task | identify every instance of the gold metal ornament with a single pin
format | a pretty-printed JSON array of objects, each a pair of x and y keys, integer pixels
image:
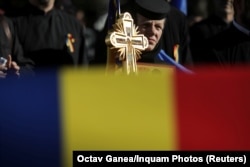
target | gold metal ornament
[
  {"x": 127, "y": 43},
  {"x": 70, "y": 42}
]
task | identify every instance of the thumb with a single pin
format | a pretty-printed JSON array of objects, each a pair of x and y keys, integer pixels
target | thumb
[{"x": 9, "y": 60}]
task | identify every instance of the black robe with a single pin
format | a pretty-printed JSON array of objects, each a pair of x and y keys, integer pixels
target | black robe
[
  {"x": 201, "y": 32},
  {"x": 231, "y": 47},
  {"x": 43, "y": 37}
]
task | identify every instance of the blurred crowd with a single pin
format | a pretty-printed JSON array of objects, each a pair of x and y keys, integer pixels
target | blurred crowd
[
  {"x": 95, "y": 11},
  {"x": 205, "y": 19}
]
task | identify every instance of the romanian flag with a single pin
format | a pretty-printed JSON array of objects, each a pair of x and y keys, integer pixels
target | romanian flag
[
  {"x": 44, "y": 119},
  {"x": 180, "y": 4}
]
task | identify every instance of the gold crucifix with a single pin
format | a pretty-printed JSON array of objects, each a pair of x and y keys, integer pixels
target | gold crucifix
[{"x": 127, "y": 42}]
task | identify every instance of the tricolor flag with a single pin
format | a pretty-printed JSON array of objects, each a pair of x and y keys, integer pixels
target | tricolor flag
[
  {"x": 44, "y": 119},
  {"x": 180, "y": 4}
]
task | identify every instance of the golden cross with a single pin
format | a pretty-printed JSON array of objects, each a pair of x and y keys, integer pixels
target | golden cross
[{"x": 126, "y": 40}]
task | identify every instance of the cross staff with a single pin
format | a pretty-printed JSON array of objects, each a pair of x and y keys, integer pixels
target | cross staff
[{"x": 126, "y": 40}]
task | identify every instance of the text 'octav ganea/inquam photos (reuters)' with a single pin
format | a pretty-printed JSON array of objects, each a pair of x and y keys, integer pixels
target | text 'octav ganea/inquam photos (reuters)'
[{"x": 208, "y": 159}]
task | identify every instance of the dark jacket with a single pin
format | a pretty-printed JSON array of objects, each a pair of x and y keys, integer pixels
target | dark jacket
[
  {"x": 201, "y": 32},
  {"x": 52, "y": 39},
  {"x": 230, "y": 47}
]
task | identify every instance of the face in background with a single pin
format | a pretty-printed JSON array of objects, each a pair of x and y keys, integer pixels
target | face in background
[
  {"x": 152, "y": 29},
  {"x": 224, "y": 7}
]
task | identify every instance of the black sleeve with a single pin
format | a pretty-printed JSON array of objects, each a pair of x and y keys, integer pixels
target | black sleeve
[
  {"x": 100, "y": 48},
  {"x": 83, "y": 53}
]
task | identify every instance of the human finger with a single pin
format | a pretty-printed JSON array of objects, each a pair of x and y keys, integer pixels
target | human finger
[
  {"x": 15, "y": 66},
  {"x": 2, "y": 75},
  {"x": 2, "y": 68},
  {"x": 9, "y": 60}
]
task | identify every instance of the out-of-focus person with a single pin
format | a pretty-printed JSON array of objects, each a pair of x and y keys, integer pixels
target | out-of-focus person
[
  {"x": 9, "y": 46},
  {"x": 173, "y": 35},
  {"x": 49, "y": 36},
  {"x": 219, "y": 20},
  {"x": 232, "y": 46}
]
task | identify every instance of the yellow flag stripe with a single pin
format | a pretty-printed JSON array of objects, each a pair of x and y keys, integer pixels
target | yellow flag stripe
[{"x": 110, "y": 112}]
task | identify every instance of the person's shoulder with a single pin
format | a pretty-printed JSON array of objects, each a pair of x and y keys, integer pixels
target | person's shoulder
[
  {"x": 7, "y": 20},
  {"x": 231, "y": 33},
  {"x": 68, "y": 19},
  {"x": 176, "y": 13},
  {"x": 66, "y": 16},
  {"x": 227, "y": 38},
  {"x": 202, "y": 23},
  {"x": 212, "y": 20},
  {"x": 201, "y": 26}
]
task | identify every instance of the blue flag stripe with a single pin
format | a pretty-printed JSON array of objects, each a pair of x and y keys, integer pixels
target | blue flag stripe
[
  {"x": 180, "y": 4},
  {"x": 164, "y": 57},
  {"x": 29, "y": 122}
]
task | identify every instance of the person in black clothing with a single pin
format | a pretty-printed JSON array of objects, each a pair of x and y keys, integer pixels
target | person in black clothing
[
  {"x": 219, "y": 20},
  {"x": 9, "y": 47},
  {"x": 232, "y": 46},
  {"x": 174, "y": 33},
  {"x": 49, "y": 37}
]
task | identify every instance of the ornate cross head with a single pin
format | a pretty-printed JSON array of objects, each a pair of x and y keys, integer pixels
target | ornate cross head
[{"x": 127, "y": 42}]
